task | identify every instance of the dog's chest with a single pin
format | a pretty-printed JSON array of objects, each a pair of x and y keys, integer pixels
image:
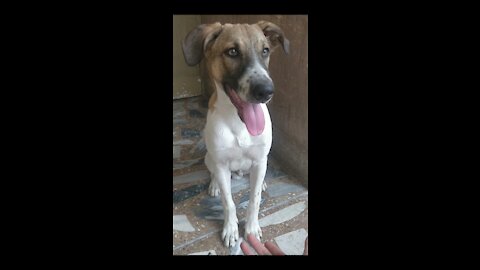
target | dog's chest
[
  {"x": 238, "y": 144},
  {"x": 228, "y": 139},
  {"x": 240, "y": 158}
]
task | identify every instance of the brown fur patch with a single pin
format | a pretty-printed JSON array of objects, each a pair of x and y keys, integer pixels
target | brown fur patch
[{"x": 211, "y": 102}]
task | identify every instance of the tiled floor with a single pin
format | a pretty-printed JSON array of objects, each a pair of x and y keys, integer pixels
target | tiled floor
[{"x": 198, "y": 218}]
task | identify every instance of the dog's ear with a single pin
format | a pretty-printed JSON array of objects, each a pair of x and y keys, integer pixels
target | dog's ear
[
  {"x": 275, "y": 35},
  {"x": 197, "y": 40}
]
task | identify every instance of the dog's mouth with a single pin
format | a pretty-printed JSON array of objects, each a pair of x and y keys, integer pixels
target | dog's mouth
[{"x": 250, "y": 113}]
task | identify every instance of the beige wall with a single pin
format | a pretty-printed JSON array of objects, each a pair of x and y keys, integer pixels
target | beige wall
[
  {"x": 186, "y": 79},
  {"x": 289, "y": 106}
]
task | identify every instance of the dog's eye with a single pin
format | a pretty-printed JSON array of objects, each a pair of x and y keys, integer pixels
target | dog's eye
[
  {"x": 233, "y": 52},
  {"x": 265, "y": 51}
]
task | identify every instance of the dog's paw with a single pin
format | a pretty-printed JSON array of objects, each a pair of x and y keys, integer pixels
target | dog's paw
[
  {"x": 230, "y": 234},
  {"x": 264, "y": 186},
  {"x": 253, "y": 228},
  {"x": 213, "y": 189}
]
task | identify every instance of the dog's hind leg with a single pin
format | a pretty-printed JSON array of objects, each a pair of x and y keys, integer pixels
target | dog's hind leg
[{"x": 213, "y": 189}]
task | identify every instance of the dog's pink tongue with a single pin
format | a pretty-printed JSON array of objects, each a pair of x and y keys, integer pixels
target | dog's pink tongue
[
  {"x": 250, "y": 113},
  {"x": 253, "y": 118}
]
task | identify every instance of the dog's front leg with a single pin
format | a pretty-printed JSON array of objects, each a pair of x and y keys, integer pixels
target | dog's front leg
[
  {"x": 257, "y": 176},
  {"x": 230, "y": 226}
]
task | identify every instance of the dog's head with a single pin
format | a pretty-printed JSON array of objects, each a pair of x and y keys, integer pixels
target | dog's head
[{"x": 237, "y": 57}]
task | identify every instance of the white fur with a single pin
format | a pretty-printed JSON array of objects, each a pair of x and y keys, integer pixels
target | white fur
[{"x": 231, "y": 148}]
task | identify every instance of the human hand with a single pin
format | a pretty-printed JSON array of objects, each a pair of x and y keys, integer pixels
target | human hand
[{"x": 268, "y": 249}]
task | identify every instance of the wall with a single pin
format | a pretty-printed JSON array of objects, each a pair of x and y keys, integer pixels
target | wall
[
  {"x": 186, "y": 79},
  {"x": 289, "y": 106}
]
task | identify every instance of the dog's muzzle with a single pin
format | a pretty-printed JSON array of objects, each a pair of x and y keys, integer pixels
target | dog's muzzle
[{"x": 251, "y": 113}]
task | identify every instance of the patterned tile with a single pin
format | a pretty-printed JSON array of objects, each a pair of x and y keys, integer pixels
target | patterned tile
[
  {"x": 186, "y": 193},
  {"x": 190, "y": 133},
  {"x": 182, "y": 142},
  {"x": 196, "y": 114},
  {"x": 181, "y": 223},
  {"x": 283, "y": 215},
  {"x": 208, "y": 252},
  {"x": 240, "y": 184},
  {"x": 186, "y": 163},
  {"x": 292, "y": 243},
  {"x": 191, "y": 177},
  {"x": 283, "y": 186}
]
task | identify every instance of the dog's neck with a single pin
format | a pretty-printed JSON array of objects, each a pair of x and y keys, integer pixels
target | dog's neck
[{"x": 223, "y": 102}]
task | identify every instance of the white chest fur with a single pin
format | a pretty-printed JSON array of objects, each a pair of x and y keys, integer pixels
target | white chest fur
[{"x": 228, "y": 140}]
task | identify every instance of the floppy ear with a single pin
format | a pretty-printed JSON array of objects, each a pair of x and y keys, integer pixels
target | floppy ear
[
  {"x": 275, "y": 35},
  {"x": 197, "y": 40}
]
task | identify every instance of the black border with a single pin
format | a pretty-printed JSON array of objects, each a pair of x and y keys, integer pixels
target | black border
[{"x": 100, "y": 144}]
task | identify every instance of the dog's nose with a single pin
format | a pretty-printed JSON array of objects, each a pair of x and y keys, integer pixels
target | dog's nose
[{"x": 262, "y": 92}]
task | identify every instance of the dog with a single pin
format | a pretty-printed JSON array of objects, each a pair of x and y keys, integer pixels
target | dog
[{"x": 238, "y": 131}]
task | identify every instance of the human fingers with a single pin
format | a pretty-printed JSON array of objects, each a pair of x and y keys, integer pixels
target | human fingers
[
  {"x": 274, "y": 249},
  {"x": 259, "y": 248},
  {"x": 246, "y": 250}
]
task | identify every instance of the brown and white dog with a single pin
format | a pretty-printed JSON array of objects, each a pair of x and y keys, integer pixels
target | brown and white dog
[{"x": 238, "y": 132}]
